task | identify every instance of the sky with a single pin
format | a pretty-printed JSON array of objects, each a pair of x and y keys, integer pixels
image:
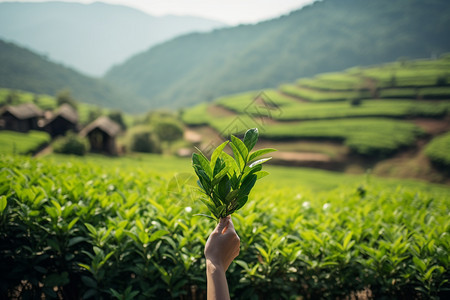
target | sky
[{"x": 232, "y": 12}]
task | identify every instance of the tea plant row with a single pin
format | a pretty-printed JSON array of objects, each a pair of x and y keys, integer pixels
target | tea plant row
[{"x": 92, "y": 231}]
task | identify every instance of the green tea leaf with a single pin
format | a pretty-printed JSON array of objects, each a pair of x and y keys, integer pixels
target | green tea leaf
[
  {"x": 247, "y": 185},
  {"x": 259, "y": 153},
  {"x": 240, "y": 162},
  {"x": 157, "y": 235},
  {"x": 240, "y": 147},
  {"x": 201, "y": 160},
  {"x": 224, "y": 188},
  {"x": 226, "y": 182},
  {"x": 230, "y": 163},
  {"x": 2, "y": 203},
  {"x": 261, "y": 174},
  {"x": 250, "y": 138},
  {"x": 260, "y": 161},
  {"x": 217, "y": 152}
]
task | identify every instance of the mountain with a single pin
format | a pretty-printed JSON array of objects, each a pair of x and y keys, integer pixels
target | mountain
[
  {"x": 90, "y": 37},
  {"x": 325, "y": 36},
  {"x": 22, "y": 69}
]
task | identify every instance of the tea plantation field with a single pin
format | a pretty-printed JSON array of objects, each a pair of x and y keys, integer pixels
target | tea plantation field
[
  {"x": 384, "y": 102},
  {"x": 12, "y": 142},
  {"x": 124, "y": 228}
]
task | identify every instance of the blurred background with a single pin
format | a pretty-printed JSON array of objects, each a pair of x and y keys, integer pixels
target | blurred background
[{"x": 340, "y": 85}]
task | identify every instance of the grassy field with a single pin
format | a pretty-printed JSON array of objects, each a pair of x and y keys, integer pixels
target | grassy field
[
  {"x": 22, "y": 143},
  {"x": 303, "y": 232}
]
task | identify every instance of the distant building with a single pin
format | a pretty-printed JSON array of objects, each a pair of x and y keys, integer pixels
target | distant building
[
  {"x": 102, "y": 135},
  {"x": 65, "y": 119},
  {"x": 21, "y": 118}
]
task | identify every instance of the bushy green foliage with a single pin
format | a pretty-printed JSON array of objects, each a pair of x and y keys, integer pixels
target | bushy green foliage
[
  {"x": 438, "y": 150},
  {"x": 168, "y": 130},
  {"x": 71, "y": 144},
  {"x": 104, "y": 232},
  {"x": 143, "y": 139},
  {"x": 65, "y": 97},
  {"x": 224, "y": 182},
  {"x": 12, "y": 142}
]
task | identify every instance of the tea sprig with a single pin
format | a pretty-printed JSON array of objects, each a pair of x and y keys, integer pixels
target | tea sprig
[{"x": 226, "y": 181}]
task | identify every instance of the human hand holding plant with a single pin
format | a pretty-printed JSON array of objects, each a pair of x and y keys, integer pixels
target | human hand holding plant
[
  {"x": 222, "y": 245},
  {"x": 226, "y": 181}
]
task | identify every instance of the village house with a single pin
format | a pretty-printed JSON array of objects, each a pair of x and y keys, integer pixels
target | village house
[
  {"x": 102, "y": 135},
  {"x": 20, "y": 118},
  {"x": 65, "y": 119}
]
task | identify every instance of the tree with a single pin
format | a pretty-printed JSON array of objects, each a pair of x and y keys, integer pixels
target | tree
[
  {"x": 64, "y": 96},
  {"x": 94, "y": 114},
  {"x": 142, "y": 139},
  {"x": 168, "y": 130},
  {"x": 12, "y": 98},
  {"x": 117, "y": 117}
]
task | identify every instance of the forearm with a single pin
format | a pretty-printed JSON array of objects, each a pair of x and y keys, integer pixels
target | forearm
[{"x": 217, "y": 282}]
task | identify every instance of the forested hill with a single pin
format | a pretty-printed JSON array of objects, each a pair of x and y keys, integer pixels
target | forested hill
[
  {"x": 24, "y": 70},
  {"x": 326, "y": 36},
  {"x": 90, "y": 37}
]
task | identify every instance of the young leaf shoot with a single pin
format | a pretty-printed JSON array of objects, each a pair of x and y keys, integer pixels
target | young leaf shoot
[{"x": 226, "y": 181}]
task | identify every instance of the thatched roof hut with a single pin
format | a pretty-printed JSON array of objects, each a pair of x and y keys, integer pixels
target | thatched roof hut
[
  {"x": 65, "y": 119},
  {"x": 22, "y": 118},
  {"x": 102, "y": 135}
]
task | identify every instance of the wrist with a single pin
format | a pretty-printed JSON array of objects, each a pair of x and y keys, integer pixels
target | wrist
[{"x": 214, "y": 267}]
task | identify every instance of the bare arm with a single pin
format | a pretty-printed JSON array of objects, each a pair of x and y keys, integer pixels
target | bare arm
[{"x": 220, "y": 250}]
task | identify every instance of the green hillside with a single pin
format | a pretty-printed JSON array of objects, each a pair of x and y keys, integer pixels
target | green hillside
[
  {"x": 70, "y": 32},
  {"x": 326, "y": 36},
  {"x": 375, "y": 112},
  {"x": 24, "y": 70}
]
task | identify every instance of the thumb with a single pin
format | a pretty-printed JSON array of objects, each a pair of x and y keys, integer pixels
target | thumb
[{"x": 223, "y": 224}]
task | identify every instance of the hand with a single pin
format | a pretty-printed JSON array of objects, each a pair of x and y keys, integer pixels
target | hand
[{"x": 223, "y": 244}]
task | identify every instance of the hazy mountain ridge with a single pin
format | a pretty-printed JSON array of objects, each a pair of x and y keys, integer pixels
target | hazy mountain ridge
[
  {"x": 326, "y": 36},
  {"x": 25, "y": 70},
  {"x": 90, "y": 37}
]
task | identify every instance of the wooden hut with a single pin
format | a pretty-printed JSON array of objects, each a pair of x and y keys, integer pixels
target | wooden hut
[
  {"x": 21, "y": 118},
  {"x": 65, "y": 119},
  {"x": 102, "y": 135}
]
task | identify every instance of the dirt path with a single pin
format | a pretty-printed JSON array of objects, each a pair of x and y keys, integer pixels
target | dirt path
[
  {"x": 294, "y": 98},
  {"x": 432, "y": 126},
  {"x": 220, "y": 111},
  {"x": 46, "y": 151}
]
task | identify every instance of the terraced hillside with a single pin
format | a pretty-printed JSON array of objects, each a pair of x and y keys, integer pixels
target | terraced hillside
[{"x": 377, "y": 117}]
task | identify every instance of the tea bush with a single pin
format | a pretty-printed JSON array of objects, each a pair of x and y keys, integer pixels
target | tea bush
[
  {"x": 82, "y": 230},
  {"x": 71, "y": 144},
  {"x": 143, "y": 139},
  {"x": 438, "y": 150}
]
